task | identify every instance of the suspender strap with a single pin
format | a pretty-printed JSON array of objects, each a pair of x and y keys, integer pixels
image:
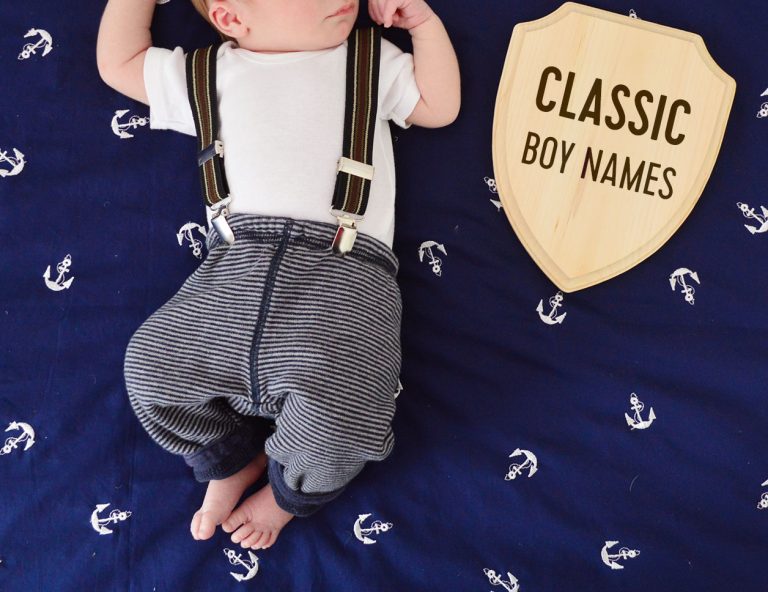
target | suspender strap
[
  {"x": 355, "y": 170},
  {"x": 201, "y": 88}
]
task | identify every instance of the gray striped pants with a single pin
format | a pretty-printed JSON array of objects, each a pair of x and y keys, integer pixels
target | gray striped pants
[{"x": 275, "y": 327}]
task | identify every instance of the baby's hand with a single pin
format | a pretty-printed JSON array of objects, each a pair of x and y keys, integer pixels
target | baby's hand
[{"x": 405, "y": 14}]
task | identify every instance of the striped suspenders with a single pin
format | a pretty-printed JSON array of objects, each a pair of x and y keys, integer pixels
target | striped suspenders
[{"x": 354, "y": 171}]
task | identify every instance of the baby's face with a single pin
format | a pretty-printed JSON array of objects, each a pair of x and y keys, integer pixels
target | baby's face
[{"x": 294, "y": 25}]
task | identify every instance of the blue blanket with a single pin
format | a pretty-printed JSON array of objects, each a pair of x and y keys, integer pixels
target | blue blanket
[{"x": 488, "y": 389}]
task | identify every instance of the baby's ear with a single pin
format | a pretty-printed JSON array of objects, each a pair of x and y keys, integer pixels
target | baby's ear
[{"x": 225, "y": 19}]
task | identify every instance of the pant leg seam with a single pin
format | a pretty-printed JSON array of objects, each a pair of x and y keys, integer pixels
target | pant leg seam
[{"x": 263, "y": 311}]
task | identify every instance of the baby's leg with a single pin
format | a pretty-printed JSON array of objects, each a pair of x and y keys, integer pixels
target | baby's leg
[
  {"x": 222, "y": 495},
  {"x": 187, "y": 373},
  {"x": 166, "y": 389},
  {"x": 317, "y": 449},
  {"x": 231, "y": 463}
]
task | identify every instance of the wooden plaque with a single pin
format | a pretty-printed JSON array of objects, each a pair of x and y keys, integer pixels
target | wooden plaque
[{"x": 605, "y": 131}]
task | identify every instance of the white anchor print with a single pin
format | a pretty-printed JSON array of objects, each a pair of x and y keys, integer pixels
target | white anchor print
[
  {"x": 495, "y": 580},
  {"x": 637, "y": 406},
  {"x": 114, "y": 517},
  {"x": 530, "y": 463},
  {"x": 632, "y": 13},
  {"x": 555, "y": 303},
  {"x": 763, "y": 112},
  {"x": 236, "y": 559},
  {"x": 62, "y": 268},
  {"x": 17, "y": 162},
  {"x": 750, "y": 213},
  {"x": 427, "y": 245},
  {"x": 377, "y": 526},
  {"x": 186, "y": 232},
  {"x": 399, "y": 388},
  {"x": 493, "y": 189},
  {"x": 678, "y": 276},
  {"x": 46, "y": 42},
  {"x": 624, "y": 553},
  {"x": 763, "y": 503},
  {"x": 27, "y": 436},
  {"x": 134, "y": 122}
]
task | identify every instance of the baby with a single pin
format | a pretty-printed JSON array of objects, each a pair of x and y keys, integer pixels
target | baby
[{"x": 275, "y": 325}]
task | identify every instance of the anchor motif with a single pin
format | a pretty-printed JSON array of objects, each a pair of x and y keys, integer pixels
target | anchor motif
[
  {"x": 17, "y": 162},
  {"x": 763, "y": 111},
  {"x": 750, "y": 213},
  {"x": 623, "y": 553},
  {"x": 530, "y": 463},
  {"x": 196, "y": 245},
  {"x": 555, "y": 303},
  {"x": 495, "y": 580},
  {"x": 637, "y": 407},
  {"x": 377, "y": 526},
  {"x": 493, "y": 189},
  {"x": 632, "y": 13},
  {"x": 763, "y": 503},
  {"x": 46, "y": 41},
  {"x": 134, "y": 122},
  {"x": 399, "y": 388},
  {"x": 434, "y": 260},
  {"x": 114, "y": 516},
  {"x": 678, "y": 276},
  {"x": 62, "y": 268},
  {"x": 236, "y": 559},
  {"x": 27, "y": 436}
]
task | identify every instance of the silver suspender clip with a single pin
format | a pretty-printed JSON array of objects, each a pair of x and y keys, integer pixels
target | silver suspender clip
[
  {"x": 219, "y": 220},
  {"x": 347, "y": 231}
]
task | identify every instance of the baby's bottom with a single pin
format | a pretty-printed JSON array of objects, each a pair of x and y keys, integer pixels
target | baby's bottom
[{"x": 275, "y": 327}]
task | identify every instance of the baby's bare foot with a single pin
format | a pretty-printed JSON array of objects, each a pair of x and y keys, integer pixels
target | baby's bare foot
[
  {"x": 261, "y": 519},
  {"x": 222, "y": 495}
]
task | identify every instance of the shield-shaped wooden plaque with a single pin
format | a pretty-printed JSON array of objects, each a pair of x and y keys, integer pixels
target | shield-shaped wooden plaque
[{"x": 605, "y": 132}]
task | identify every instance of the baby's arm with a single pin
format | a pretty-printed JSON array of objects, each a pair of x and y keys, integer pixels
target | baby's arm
[
  {"x": 124, "y": 38},
  {"x": 435, "y": 65}
]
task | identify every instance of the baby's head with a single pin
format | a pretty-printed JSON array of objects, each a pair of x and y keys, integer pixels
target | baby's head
[{"x": 272, "y": 26}]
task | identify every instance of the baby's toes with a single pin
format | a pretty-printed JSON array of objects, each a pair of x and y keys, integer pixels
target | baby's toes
[
  {"x": 194, "y": 527},
  {"x": 252, "y": 540},
  {"x": 267, "y": 542},
  {"x": 235, "y": 519},
  {"x": 203, "y": 525},
  {"x": 241, "y": 533}
]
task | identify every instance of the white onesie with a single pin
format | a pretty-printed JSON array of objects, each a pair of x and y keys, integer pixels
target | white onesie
[{"x": 281, "y": 119}]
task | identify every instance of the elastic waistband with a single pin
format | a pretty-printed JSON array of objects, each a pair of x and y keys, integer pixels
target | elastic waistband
[{"x": 310, "y": 233}]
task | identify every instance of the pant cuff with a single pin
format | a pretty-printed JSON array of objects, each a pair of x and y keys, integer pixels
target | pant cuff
[
  {"x": 226, "y": 456},
  {"x": 296, "y": 502}
]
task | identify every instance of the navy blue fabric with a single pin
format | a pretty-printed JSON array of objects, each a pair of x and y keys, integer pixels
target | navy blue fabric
[{"x": 482, "y": 375}]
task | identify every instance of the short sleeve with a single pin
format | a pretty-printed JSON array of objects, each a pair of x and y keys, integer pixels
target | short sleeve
[
  {"x": 398, "y": 91},
  {"x": 165, "y": 80}
]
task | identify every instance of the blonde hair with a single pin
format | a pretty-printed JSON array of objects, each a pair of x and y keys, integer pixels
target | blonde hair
[{"x": 202, "y": 7}]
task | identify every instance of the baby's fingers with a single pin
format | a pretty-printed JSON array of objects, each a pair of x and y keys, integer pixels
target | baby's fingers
[
  {"x": 388, "y": 8},
  {"x": 374, "y": 11}
]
